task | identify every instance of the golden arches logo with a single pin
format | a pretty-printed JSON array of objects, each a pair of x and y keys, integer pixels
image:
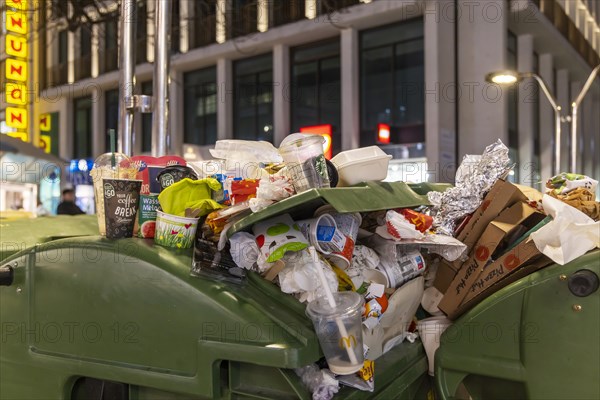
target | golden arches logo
[{"x": 348, "y": 342}]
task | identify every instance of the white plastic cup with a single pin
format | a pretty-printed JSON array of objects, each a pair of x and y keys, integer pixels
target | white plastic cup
[
  {"x": 322, "y": 233},
  {"x": 430, "y": 330},
  {"x": 305, "y": 163},
  {"x": 327, "y": 321}
]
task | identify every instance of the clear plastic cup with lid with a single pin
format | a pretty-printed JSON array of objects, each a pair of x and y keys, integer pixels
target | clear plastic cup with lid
[
  {"x": 305, "y": 162},
  {"x": 339, "y": 331}
]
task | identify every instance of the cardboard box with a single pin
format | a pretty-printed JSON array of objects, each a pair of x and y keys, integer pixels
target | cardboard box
[
  {"x": 497, "y": 276},
  {"x": 508, "y": 222},
  {"x": 502, "y": 195},
  {"x": 444, "y": 276}
]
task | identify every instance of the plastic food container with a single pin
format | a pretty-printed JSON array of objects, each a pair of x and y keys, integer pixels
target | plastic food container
[{"x": 361, "y": 165}]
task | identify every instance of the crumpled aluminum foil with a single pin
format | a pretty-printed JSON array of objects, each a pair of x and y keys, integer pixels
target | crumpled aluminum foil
[{"x": 475, "y": 177}]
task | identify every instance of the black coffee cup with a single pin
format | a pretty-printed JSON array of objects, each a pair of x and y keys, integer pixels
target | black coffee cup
[{"x": 121, "y": 202}]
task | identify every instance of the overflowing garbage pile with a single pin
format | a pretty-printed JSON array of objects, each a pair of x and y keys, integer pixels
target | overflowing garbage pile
[{"x": 363, "y": 274}]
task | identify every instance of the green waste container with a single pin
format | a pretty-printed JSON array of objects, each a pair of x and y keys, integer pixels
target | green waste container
[
  {"x": 537, "y": 338},
  {"x": 85, "y": 315}
]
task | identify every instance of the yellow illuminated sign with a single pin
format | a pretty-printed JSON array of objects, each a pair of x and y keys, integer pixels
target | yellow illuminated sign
[
  {"x": 16, "y": 21},
  {"x": 16, "y": 4},
  {"x": 16, "y": 94},
  {"x": 16, "y": 46},
  {"x": 16, "y": 117},
  {"x": 45, "y": 143},
  {"x": 45, "y": 123},
  {"x": 19, "y": 135},
  {"x": 16, "y": 70}
]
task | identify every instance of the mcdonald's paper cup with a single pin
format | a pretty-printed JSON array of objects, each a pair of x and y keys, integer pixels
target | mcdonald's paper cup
[
  {"x": 175, "y": 231},
  {"x": 347, "y": 224},
  {"x": 328, "y": 321},
  {"x": 323, "y": 233}
]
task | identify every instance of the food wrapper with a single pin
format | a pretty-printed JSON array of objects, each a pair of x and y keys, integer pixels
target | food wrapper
[
  {"x": 474, "y": 179},
  {"x": 270, "y": 190},
  {"x": 570, "y": 235},
  {"x": 243, "y": 190},
  {"x": 397, "y": 227},
  {"x": 421, "y": 221},
  {"x": 320, "y": 382},
  {"x": 566, "y": 182},
  {"x": 363, "y": 380}
]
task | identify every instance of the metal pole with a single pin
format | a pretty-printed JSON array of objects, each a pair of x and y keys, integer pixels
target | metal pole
[
  {"x": 557, "y": 122},
  {"x": 557, "y": 135},
  {"x": 127, "y": 75},
  {"x": 574, "y": 107},
  {"x": 160, "y": 94}
]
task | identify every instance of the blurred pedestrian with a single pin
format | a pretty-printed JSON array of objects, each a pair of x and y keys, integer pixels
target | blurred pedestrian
[{"x": 67, "y": 205}]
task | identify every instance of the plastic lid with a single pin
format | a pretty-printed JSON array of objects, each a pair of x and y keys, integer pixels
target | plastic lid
[
  {"x": 346, "y": 302},
  {"x": 305, "y": 140}
]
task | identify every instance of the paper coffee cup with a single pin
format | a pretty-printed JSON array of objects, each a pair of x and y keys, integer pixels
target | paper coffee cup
[
  {"x": 121, "y": 202},
  {"x": 323, "y": 233}
]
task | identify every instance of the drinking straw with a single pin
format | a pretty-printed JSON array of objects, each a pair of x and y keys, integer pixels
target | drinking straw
[
  {"x": 113, "y": 160},
  {"x": 331, "y": 300}
]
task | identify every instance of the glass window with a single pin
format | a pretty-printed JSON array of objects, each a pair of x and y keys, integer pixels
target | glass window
[
  {"x": 111, "y": 116},
  {"x": 286, "y": 11},
  {"x": 147, "y": 121},
  {"x": 243, "y": 18},
  {"x": 83, "y": 65},
  {"x": 63, "y": 54},
  {"x": 315, "y": 88},
  {"x": 513, "y": 109},
  {"x": 110, "y": 43},
  {"x": 392, "y": 83},
  {"x": 141, "y": 33},
  {"x": 175, "y": 27},
  {"x": 82, "y": 127},
  {"x": 204, "y": 28},
  {"x": 535, "y": 169},
  {"x": 200, "y": 106},
  {"x": 253, "y": 98}
]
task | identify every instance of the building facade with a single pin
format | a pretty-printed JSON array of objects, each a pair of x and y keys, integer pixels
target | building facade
[{"x": 261, "y": 69}]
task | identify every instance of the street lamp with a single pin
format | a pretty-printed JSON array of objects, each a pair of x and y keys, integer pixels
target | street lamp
[{"x": 509, "y": 77}]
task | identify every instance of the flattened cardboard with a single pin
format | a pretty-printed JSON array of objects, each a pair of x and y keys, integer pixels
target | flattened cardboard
[
  {"x": 518, "y": 214},
  {"x": 524, "y": 252},
  {"x": 502, "y": 195},
  {"x": 473, "y": 298}
]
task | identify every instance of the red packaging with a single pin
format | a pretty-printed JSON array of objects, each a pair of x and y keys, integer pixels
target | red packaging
[
  {"x": 243, "y": 190},
  {"x": 421, "y": 221}
]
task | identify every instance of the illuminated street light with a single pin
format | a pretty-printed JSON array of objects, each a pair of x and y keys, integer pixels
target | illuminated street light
[{"x": 509, "y": 77}]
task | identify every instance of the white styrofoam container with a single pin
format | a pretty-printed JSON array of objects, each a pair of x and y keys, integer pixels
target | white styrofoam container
[{"x": 361, "y": 165}]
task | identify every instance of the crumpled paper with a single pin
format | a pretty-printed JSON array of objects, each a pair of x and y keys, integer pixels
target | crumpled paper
[
  {"x": 570, "y": 235},
  {"x": 270, "y": 190},
  {"x": 300, "y": 277},
  {"x": 320, "y": 382},
  {"x": 397, "y": 227},
  {"x": 244, "y": 250},
  {"x": 474, "y": 179}
]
